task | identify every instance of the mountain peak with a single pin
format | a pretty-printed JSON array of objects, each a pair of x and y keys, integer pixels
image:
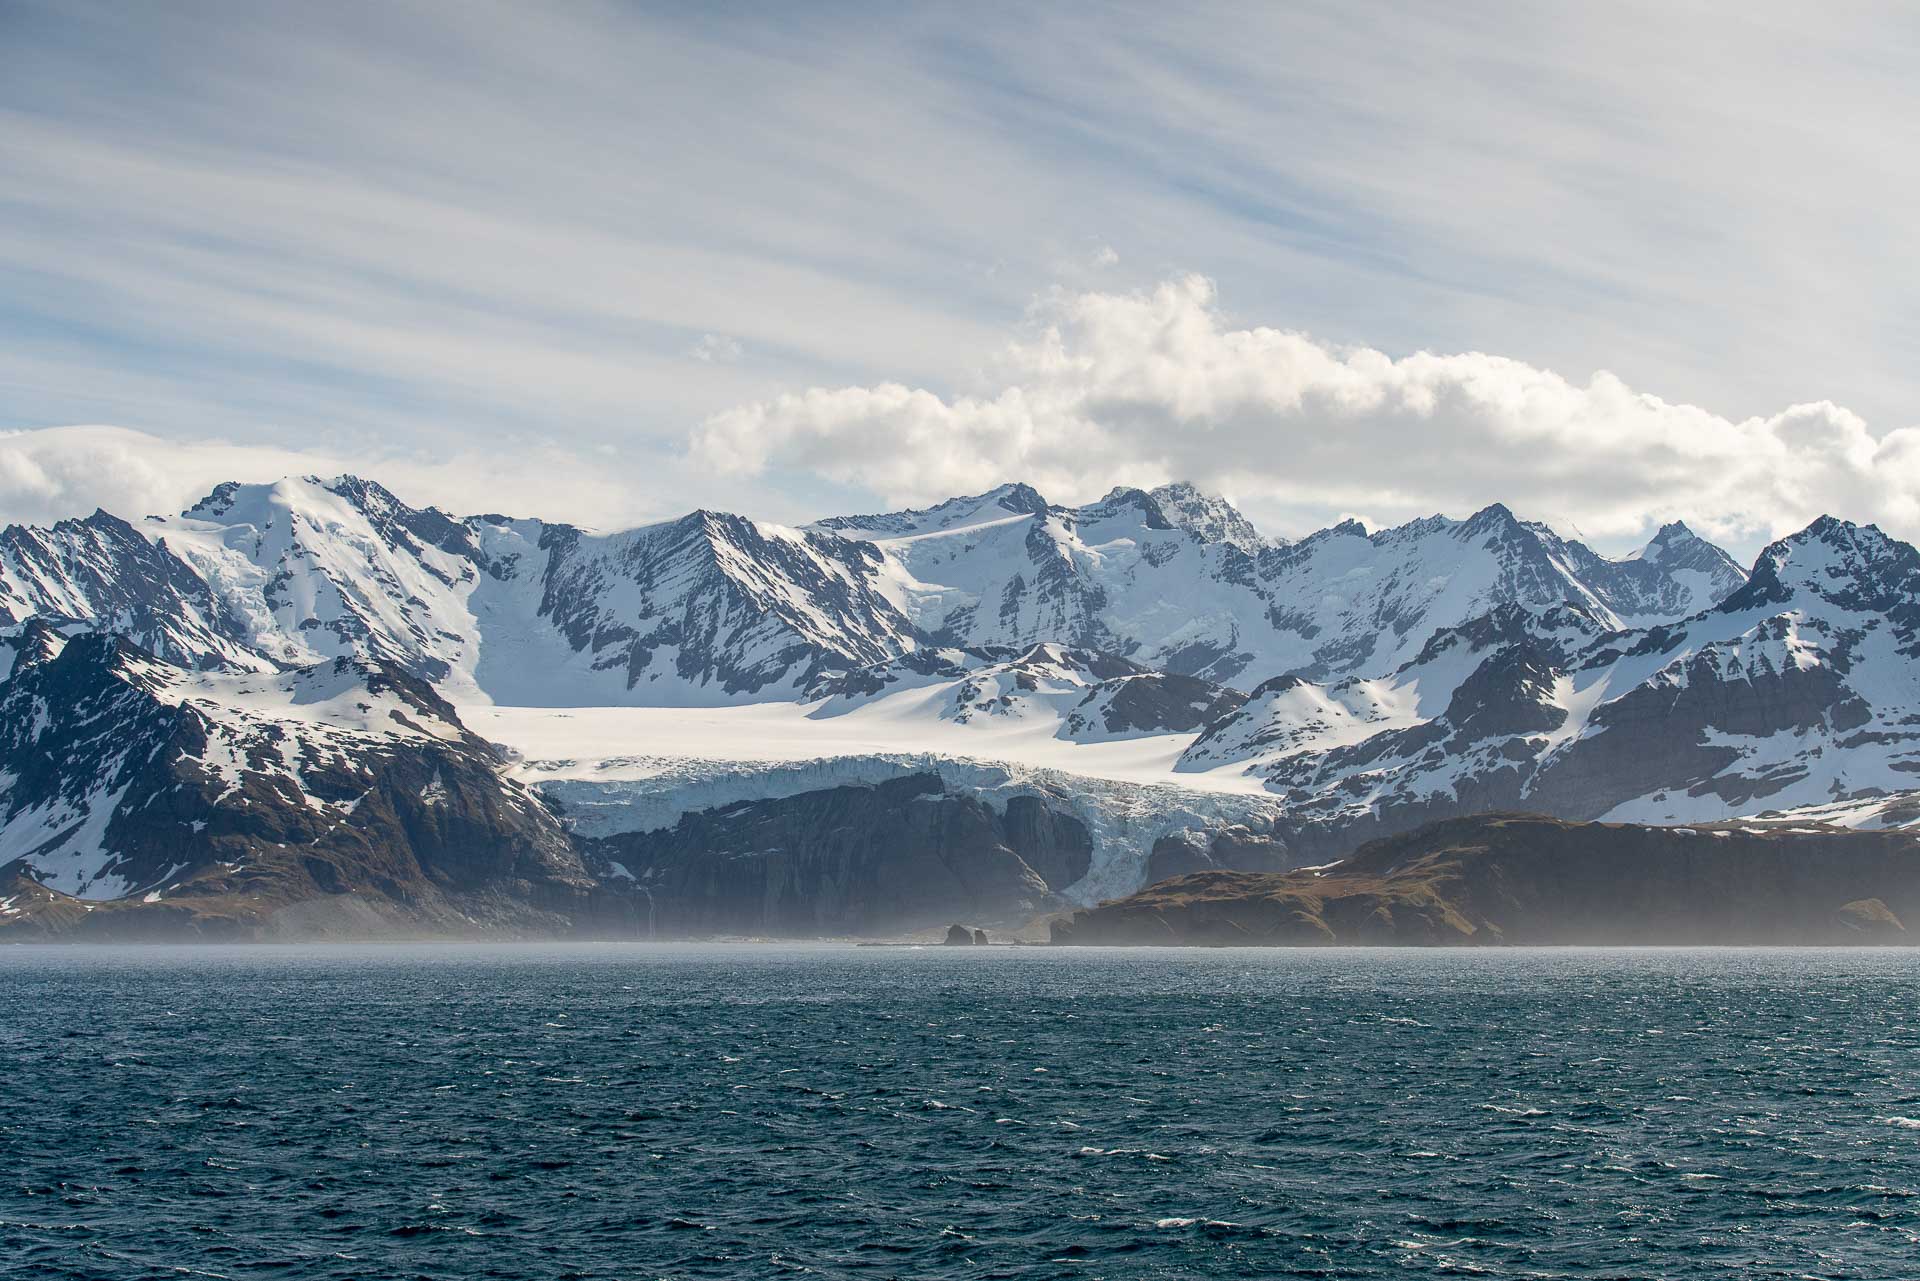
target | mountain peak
[
  {"x": 1123, "y": 499},
  {"x": 1018, "y": 496},
  {"x": 1854, "y": 566},
  {"x": 218, "y": 501},
  {"x": 1672, "y": 537},
  {"x": 1832, "y": 532},
  {"x": 1491, "y": 517},
  {"x": 1209, "y": 516},
  {"x": 1828, "y": 528},
  {"x": 367, "y": 495}
]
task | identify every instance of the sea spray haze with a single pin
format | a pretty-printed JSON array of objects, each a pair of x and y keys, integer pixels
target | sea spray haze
[{"x": 553, "y": 557}]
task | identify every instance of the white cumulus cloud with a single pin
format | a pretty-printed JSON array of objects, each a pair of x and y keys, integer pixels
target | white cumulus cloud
[
  {"x": 52, "y": 473},
  {"x": 1106, "y": 388}
]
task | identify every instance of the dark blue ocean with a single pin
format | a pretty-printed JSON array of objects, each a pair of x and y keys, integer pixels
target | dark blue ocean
[{"x": 640, "y": 1111}]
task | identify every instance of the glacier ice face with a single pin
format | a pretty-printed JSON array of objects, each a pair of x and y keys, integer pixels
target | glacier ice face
[{"x": 1125, "y": 819}]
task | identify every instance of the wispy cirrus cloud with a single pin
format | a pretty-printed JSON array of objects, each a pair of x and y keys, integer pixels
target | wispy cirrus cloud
[{"x": 430, "y": 228}]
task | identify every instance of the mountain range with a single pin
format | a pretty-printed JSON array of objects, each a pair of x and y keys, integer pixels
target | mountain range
[{"x": 512, "y": 725}]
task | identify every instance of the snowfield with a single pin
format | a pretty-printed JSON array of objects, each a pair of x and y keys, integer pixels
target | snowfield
[{"x": 1149, "y": 661}]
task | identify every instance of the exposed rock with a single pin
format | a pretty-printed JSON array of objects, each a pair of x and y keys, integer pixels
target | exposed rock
[
  {"x": 1230, "y": 847},
  {"x": 1870, "y": 917},
  {"x": 1522, "y": 879},
  {"x": 891, "y": 858},
  {"x": 1793, "y": 693},
  {"x": 102, "y": 572},
  {"x": 142, "y": 801},
  {"x": 958, "y": 936}
]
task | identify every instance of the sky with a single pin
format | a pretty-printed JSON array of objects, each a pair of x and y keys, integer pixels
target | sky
[{"x": 1610, "y": 265}]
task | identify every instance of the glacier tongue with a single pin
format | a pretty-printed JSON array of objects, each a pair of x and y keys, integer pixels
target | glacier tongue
[{"x": 1126, "y": 819}]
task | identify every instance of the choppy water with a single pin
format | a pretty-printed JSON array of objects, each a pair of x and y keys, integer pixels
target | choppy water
[{"x": 761, "y": 1112}]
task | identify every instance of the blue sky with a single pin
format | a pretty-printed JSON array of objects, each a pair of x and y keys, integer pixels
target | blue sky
[{"x": 591, "y": 259}]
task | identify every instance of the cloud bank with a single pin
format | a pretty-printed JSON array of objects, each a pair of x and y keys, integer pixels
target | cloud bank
[
  {"x": 1151, "y": 386},
  {"x": 58, "y": 472},
  {"x": 428, "y": 225},
  {"x": 1102, "y": 388}
]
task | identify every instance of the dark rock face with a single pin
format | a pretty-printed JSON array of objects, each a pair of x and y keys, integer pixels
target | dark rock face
[
  {"x": 1511, "y": 693},
  {"x": 1056, "y": 845},
  {"x": 1521, "y": 879},
  {"x": 1672, "y": 734},
  {"x": 103, "y": 572},
  {"x": 1791, "y": 693},
  {"x": 736, "y": 607},
  {"x": 1154, "y": 703},
  {"x": 241, "y": 827},
  {"x": 958, "y": 936},
  {"x": 1179, "y": 854},
  {"x": 877, "y": 678},
  {"x": 895, "y": 857},
  {"x": 1228, "y": 848}
]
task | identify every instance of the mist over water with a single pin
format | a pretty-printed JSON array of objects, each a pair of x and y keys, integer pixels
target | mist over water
[{"x": 742, "y": 1111}]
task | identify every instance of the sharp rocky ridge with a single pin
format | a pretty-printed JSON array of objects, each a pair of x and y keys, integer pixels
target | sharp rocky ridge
[
  {"x": 204, "y": 691},
  {"x": 716, "y": 608}
]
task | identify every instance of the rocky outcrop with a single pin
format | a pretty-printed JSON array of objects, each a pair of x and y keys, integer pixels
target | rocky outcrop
[
  {"x": 1151, "y": 703},
  {"x": 1794, "y": 692},
  {"x": 891, "y": 858},
  {"x": 1521, "y": 879},
  {"x": 1228, "y": 847},
  {"x": 103, "y": 572},
  {"x": 720, "y": 603},
  {"x": 139, "y": 801}
]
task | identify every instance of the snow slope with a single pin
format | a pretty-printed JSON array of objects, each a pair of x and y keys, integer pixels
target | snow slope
[
  {"x": 1180, "y": 581},
  {"x": 1799, "y": 690},
  {"x": 714, "y": 608}
]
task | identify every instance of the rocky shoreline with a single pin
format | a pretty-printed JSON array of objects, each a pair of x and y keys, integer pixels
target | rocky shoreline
[{"x": 1529, "y": 880}]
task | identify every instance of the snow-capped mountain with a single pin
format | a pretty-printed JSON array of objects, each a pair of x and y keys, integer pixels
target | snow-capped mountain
[
  {"x": 102, "y": 573},
  {"x": 1210, "y": 518},
  {"x": 1354, "y": 603},
  {"x": 1082, "y": 695},
  {"x": 714, "y": 608},
  {"x": 226, "y": 796},
  {"x": 708, "y": 608},
  {"x": 1199, "y": 594},
  {"x": 218, "y": 707},
  {"x": 1798, "y": 690}
]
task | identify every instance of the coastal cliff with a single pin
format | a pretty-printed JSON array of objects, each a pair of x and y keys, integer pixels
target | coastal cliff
[{"x": 1524, "y": 879}]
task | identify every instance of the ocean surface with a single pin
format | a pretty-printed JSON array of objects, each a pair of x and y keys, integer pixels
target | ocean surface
[{"x": 758, "y": 1111}]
